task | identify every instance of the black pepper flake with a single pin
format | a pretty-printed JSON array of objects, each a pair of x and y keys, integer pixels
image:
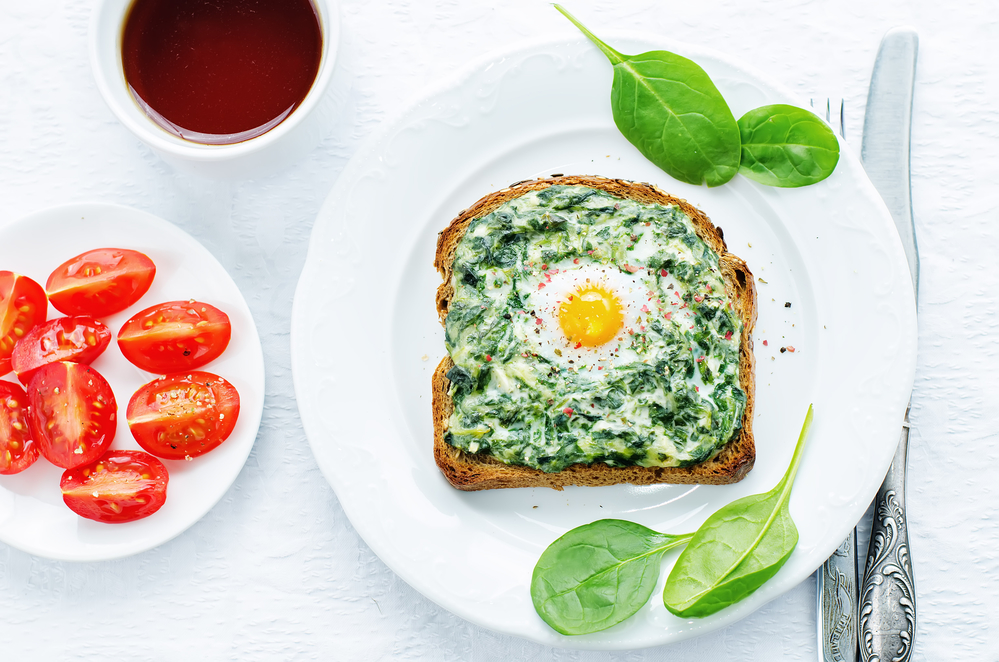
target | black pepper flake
[
  {"x": 507, "y": 316},
  {"x": 787, "y": 304},
  {"x": 783, "y": 349}
]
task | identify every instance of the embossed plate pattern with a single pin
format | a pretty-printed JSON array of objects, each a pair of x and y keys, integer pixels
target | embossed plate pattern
[
  {"x": 365, "y": 336},
  {"x": 32, "y": 515}
]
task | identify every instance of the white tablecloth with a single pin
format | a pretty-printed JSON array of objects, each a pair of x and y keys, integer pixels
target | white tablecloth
[{"x": 275, "y": 570}]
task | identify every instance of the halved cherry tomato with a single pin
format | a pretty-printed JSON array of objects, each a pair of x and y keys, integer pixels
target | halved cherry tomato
[
  {"x": 100, "y": 282},
  {"x": 22, "y": 306},
  {"x": 73, "y": 413},
  {"x": 175, "y": 336},
  {"x": 18, "y": 449},
  {"x": 79, "y": 339},
  {"x": 183, "y": 415},
  {"x": 121, "y": 486}
]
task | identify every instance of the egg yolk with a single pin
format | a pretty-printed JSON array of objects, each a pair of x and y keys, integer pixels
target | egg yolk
[{"x": 591, "y": 316}]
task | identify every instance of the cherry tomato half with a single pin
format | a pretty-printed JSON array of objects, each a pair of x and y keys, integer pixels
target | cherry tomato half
[
  {"x": 18, "y": 449},
  {"x": 22, "y": 306},
  {"x": 121, "y": 486},
  {"x": 183, "y": 415},
  {"x": 73, "y": 413},
  {"x": 175, "y": 336},
  {"x": 100, "y": 282},
  {"x": 79, "y": 339}
]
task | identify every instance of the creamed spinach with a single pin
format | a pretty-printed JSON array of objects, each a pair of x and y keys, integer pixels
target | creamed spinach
[{"x": 664, "y": 392}]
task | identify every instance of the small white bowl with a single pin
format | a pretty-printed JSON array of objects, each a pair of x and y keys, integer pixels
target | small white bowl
[{"x": 281, "y": 146}]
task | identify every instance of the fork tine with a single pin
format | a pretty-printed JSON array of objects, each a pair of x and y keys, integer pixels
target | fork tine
[{"x": 842, "y": 114}]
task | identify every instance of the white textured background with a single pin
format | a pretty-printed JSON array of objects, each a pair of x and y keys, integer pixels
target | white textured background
[{"x": 276, "y": 571}]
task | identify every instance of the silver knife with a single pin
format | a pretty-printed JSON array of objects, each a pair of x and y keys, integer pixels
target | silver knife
[{"x": 887, "y": 616}]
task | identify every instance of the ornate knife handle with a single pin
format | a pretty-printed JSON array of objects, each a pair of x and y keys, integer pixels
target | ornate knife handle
[{"x": 888, "y": 592}]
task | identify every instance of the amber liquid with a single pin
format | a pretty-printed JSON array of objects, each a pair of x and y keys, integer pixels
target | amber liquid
[{"x": 220, "y": 71}]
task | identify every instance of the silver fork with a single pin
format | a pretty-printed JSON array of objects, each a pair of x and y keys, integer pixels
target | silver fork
[{"x": 836, "y": 581}]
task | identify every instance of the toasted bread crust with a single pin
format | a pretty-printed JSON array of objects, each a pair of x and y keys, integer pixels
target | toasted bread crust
[{"x": 480, "y": 471}]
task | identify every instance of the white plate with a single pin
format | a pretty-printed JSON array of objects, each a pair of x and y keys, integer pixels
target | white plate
[
  {"x": 33, "y": 516},
  {"x": 365, "y": 337}
]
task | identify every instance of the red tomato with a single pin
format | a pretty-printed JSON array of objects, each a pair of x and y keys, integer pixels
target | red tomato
[
  {"x": 121, "y": 486},
  {"x": 183, "y": 415},
  {"x": 73, "y": 413},
  {"x": 18, "y": 449},
  {"x": 79, "y": 339},
  {"x": 175, "y": 336},
  {"x": 22, "y": 307},
  {"x": 100, "y": 282}
]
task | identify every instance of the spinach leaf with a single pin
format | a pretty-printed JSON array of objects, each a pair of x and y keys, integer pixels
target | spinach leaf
[
  {"x": 667, "y": 107},
  {"x": 786, "y": 146},
  {"x": 737, "y": 549},
  {"x": 598, "y": 574}
]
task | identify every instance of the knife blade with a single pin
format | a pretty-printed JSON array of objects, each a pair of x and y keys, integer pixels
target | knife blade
[{"x": 887, "y": 610}]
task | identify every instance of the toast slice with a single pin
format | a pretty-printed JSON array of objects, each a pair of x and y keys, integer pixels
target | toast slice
[{"x": 480, "y": 471}]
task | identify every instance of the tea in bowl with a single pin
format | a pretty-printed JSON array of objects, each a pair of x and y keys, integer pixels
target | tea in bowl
[{"x": 223, "y": 88}]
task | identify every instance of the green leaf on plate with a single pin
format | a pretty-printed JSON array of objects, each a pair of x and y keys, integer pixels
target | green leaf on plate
[
  {"x": 598, "y": 574},
  {"x": 668, "y": 107},
  {"x": 737, "y": 549},
  {"x": 786, "y": 146}
]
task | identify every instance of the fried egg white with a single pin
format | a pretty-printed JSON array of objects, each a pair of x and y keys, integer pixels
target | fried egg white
[{"x": 580, "y": 316}]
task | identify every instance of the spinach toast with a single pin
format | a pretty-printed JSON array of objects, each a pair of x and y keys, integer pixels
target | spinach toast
[{"x": 543, "y": 399}]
